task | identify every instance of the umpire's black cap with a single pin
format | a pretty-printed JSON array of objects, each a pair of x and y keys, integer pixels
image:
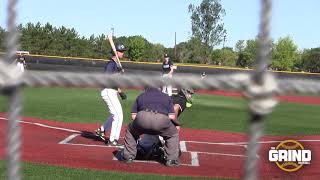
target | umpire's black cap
[{"x": 166, "y": 55}]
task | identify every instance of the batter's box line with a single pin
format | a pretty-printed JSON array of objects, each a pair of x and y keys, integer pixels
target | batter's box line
[
  {"x": 66, "y": 141},
  {"x": 241, "y": 144},
  {"x": 183, "y": 148},
  {"x": 244, "y": 144},
  {"x": 194, "y": 154}
]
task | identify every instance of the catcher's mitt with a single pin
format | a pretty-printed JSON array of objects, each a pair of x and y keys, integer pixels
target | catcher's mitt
[{"x": 123, "y": 95}]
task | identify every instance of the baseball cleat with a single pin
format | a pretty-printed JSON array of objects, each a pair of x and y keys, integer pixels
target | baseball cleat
[
  {"x": 171, "y": 163},
  {"x": 113, "y": 143},
  {"x": 101, "y": 134}
]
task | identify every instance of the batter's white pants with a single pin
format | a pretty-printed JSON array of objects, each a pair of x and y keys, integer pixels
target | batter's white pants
[
  {"x": 167, "y": 89},
  {"x": 110, "y": 97}
]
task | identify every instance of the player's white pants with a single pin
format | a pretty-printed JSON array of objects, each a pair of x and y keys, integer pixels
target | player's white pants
[
  {"x": 167, "y": 89},
  {"x": 20, "y": 66},
  {"x": 110, "y": 97}
]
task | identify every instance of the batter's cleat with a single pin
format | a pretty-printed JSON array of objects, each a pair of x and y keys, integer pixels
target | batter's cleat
[
  {"x": 113, "y": 143},
  {"x": 101, "y": 134},
  {"x": 172, "y": 163}
]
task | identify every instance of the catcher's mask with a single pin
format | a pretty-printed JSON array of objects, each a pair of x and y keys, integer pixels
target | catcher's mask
[{"x": 188, "y": 94}]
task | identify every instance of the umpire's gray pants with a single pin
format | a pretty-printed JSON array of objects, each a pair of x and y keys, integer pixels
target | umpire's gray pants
[{"x": 154, "y": 124}]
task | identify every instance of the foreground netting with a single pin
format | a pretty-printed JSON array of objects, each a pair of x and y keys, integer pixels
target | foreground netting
[{"x": 259, "y": 88}]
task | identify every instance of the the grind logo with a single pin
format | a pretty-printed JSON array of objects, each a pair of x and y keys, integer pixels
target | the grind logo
[{"x": 290, "y": 155}]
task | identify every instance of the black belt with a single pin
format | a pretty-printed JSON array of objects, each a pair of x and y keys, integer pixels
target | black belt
[{"x": 153, "y": 111}]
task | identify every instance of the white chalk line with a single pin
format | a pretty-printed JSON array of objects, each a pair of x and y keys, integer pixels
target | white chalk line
[
  {"x": 47, "y": 126},
  {"x": 68, "y": 139},
  {"x": 121, "y": 147},
  {"x": 194, "y": 159},
  {"x": 182, "y": 143},
  {"x": 183, "y": 146},
  {"x": 93, "y": 145},
  {"x": 244, "y": 144}
]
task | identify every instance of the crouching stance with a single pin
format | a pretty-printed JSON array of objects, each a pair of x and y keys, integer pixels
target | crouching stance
[
  {"x": 152, "y": 113},
  {"x": 150, "y": 147}
]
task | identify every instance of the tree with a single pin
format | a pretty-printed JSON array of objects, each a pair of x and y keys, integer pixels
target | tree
[
  {"x": 157, "y": 51},
  {"x": 207, "y": 26},
  {"x": 225, "y": 56},
  {"x": 2, "y": 39},
  {"x": 153, "y": 52},
  {"x": 244, "y": 60},
  {"x": 206, "y": 22},
  {"x": 136, "y": 45},
  {"x": 239, "y": 47},
  {"x": 311, "y": 60},
  {"x": 196, "y": 51},
  {"x": 182, "y": 52},
  {"x": 248, "y": 54},
  {"x": 284, "y": 54}
]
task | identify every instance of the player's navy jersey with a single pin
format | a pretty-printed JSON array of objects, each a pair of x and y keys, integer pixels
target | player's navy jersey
[
  {"x": 111, "y": 67},
  {"x": 181, "y": 100},
  {"x": 154, "y": 100},
  {"x": 166, "y": 67}
]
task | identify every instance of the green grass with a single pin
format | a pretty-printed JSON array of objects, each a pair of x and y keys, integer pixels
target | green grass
[
  {"x": 45, "y": 172},
  {"x": 208, "y": 111}
]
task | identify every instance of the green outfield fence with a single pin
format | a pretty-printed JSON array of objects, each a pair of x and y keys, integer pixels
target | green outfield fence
[
  {"x": 48, "y": 58},
  {"x": 259, "y": 88}
]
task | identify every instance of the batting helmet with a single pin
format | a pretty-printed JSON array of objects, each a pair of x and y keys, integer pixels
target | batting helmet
[{"x": 120, "y": 47}]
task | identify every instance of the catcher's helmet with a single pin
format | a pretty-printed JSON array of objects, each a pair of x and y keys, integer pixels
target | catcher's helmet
[
  {"x": 186, "y": 92},
  {"x": 166, "y": 55}
]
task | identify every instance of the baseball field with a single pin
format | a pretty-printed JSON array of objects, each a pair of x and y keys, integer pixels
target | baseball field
[{"x": 213, "y": 136}]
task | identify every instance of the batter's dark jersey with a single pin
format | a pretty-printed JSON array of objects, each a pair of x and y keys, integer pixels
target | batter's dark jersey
[
  {"x": 166, "y": 67},
  {"x": 111, "y": 67}
]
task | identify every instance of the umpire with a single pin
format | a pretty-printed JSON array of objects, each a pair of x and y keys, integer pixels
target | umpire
[{"x": 152, "y": 113}]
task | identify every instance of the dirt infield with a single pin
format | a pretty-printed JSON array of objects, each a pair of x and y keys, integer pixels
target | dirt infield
[{"x": 205, "y": 153}]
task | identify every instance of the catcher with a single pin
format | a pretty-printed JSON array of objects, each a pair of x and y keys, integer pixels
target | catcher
[{"x": 150, "y": 147}]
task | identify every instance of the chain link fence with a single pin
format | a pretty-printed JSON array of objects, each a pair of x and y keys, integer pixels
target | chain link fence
[{"x": 259, "y": 88}]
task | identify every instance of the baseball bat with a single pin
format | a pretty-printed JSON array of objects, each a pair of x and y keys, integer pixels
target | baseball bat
[{"x": 114, "y": 50}]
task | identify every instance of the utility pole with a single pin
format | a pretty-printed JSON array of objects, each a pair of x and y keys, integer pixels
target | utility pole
[
  {"x": 112, "y": 30},
  {"x": 175, "y": 45},
  {"x": 224, "y": 40}
]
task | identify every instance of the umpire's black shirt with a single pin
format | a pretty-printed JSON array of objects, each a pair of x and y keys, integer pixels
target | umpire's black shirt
[{"x": 153, "y": 100}]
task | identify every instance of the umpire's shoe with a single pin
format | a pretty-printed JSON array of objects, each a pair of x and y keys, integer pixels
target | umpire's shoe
[
  {"x": 101, "y": 134},
  {"x": 119, "y": 155},
  {"x": 171, "y": 163}
]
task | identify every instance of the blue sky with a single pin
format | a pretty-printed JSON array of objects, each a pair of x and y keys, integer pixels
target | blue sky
[{"x": 158, "y": 20}]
